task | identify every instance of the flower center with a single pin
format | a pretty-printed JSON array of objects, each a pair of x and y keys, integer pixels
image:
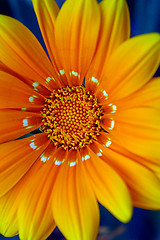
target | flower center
[{"x": 71, "y": 116}]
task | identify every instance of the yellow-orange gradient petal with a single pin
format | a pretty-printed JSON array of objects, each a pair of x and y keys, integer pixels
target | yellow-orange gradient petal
[
  {"x": 138, "y": 130},
  {"x": 14, "y": 124},
  {"x": 115, "y": 29},
  {"x": 35, "y": 218},
  {"x": 46, "y": 12},
  {"x": 75, "y": 209},
  {"x": 17, "y": 157},
  {"x": 109, "y": 188},
  {"x": 76, "y": 32},
  {"x": 23, "y": 54},
  {"x": 137, "y": 122},
  {"x": 131, "y": 66},
  {"x": 142, "y": 182},
  {"x": 147, "y": 194},
  {"x": 8, "y": 212},
  {"x": 147, "y": 96}
]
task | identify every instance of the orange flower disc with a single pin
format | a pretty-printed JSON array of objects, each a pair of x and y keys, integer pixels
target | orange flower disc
[{"x": 71, "y": 117}]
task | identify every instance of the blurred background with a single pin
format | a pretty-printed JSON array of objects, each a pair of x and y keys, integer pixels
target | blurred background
[{"x": 145, "y": 18}]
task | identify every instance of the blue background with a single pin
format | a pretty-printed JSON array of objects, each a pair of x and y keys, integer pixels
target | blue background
[{"x": 145, "y": 18}]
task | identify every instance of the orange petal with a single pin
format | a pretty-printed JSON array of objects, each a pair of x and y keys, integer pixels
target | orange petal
[
  {"x": 16, "y": 94},
  {"x": 76, "y": 33},
  {"x": 60, "y": 156},
  {"x": 75, "y": 209},
  {"x": 17, "y": 157},
  {"x": 44, "y": 88},
  {"x": 36, "y": 86},
  {"x": 115, "y": 29},
  {"x": 130, "y": 66},
  {"x": 143, "y": 184},
  {"x": 35, "y": 217},
  {"x": 14, "y": 124},
  {"x": 108, "y": 186},
  {"x": 22, "y": 53}
]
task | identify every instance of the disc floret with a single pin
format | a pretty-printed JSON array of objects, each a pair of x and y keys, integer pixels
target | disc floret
[{"x": 71, "y": 117}]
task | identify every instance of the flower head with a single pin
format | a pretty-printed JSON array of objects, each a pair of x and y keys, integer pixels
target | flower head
[{"x": 97, "y": 109}]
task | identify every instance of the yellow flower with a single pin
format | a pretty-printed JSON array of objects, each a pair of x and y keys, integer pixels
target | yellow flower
[{"x": 99, "y": 141}]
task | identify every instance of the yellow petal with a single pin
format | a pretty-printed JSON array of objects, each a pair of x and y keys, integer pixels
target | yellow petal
[
  {"x": 22, "y": 53},
  {"x": 75, "y": 209},
  {"x": 138, "y": 130},
  {"x": 46, "y": 12},
  {"x": 147, "y": 96},
  {"x": 115, "y": 29},
  {"x": 137, "y": 122},
  {"x": 8, "y": 212},
  {"x": 76, "y": 33},
  {"x": 35, "y": 218},
  {"x": 16, "y": 158},
  {"x": 109, "y": 188},
  {"x": 143, "y": 183},
  {"x": 131, "y": 66}
]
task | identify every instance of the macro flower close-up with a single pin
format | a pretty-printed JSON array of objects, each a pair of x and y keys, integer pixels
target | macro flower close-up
[{"x": 92, "y": 106}]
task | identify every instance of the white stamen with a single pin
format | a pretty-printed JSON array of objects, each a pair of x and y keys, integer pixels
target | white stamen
[
  {"x": 86, "y": 157},
  {"x": 31, "y": 99},
  {"x": 99, "y": 154},
  {"x": 61, "y": 71},
  {"x": 114, "y": 107},
  {"x": 112, "y": 125},
  {"x": 94, "y": 79},
  {"x": 72, "y": 164},
  {"x": 57, "y": 162},
  {"x": 108, "y": 143},
  {"x": 105, "y": 94},
  {"x": 35, "y": 84},
  {"x": 25, "y": 122},
  {"x": 32, "y": 145},
  {"x": 75, "y": 73},
  {"x": 29, "y": 127},
  {"x": 43, "y": 158},
  {"x": 48, "y": 79}
]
